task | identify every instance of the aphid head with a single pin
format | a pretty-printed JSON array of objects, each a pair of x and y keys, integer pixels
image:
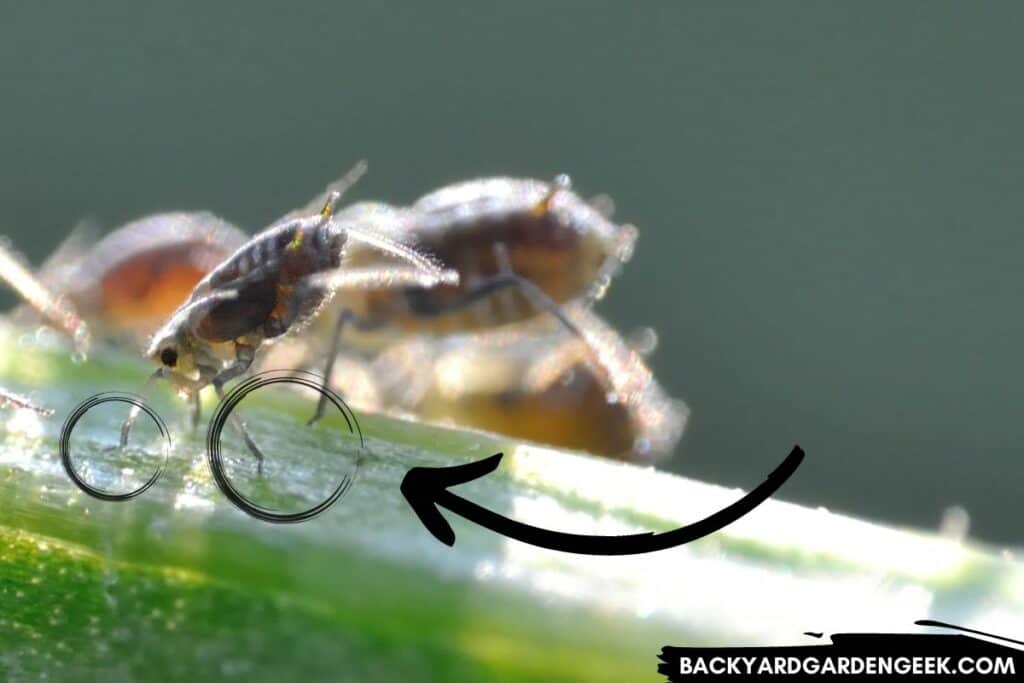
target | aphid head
[
  {"x": 172, "y": 350},
  {"x": 185, "y": 359}
]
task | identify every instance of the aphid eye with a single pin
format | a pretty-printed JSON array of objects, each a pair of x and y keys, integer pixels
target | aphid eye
[{"x": 169, "y": 357}]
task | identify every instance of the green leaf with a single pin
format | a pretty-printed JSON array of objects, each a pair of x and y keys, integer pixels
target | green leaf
[{"x": 180, "y": 584}]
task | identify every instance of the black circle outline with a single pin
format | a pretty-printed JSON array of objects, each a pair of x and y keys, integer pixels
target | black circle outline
[
  {"x": 220, "y": 417},
  {"x": 69, "y": 425}
]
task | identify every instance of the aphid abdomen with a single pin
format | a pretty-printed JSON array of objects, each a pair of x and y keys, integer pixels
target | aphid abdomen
[
  {"x": 536, "y": 387},
  {"x": 562, "y": 244},
  {"x": 234, "y": 318},
  {"x": 538, "y": 249},
  {"x": 146, "y": 289},
  {"x": 271, "y": 281},
  {"x": 572, "y": 414},
  {"x": 136, "y": 276},
  {"x": 313, "y": 250}
]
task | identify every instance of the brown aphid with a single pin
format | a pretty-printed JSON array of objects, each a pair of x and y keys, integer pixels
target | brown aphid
[
  {"x": 272, "y": 286},
  {"x": 595, "y": 394},
  {"x": 136, "y": 276},
  {"x": 126, "y": 284},
  {"x": 275, "y": 284},
  {"x": 522, "y": 247}
]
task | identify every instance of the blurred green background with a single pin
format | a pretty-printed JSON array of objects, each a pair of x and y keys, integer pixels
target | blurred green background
[{"x": 829, "y": 196}]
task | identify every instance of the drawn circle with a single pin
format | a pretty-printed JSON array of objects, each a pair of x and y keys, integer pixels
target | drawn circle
[
  {"x": 77, "y": 414},
  {"x": 223, "y": 412}
]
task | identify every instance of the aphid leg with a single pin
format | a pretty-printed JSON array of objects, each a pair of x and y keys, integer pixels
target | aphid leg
[
  {"x": 244, "y": 356},
  {"x": 327, "y": 199},
  {"x": 426, "y": 263},
  {"x": 55, "y": 308},
  {"x": 338, "y": 188},
  {"x": 9, "y": 399},
  {"x": 243, "y": 431},
  {"x": 504, "y": 280},
  {"x": 133, "y": 414},
  {"x": 345, "y": 317},
  {"x": 197, "y": 409},
  {"x": 537, "y": 296}
]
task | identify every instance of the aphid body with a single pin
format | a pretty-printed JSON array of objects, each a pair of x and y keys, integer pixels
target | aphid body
[
  {"x": 124, "y": 285},
  {"x": 274, "y": 284},
  {"x": 520, "y": 246},
  {"x": 127, "y": 283},
  {"x": 594, "y": 394},
  {"x": 258, "y": 293},
  {"x": 136, "y": 276}
]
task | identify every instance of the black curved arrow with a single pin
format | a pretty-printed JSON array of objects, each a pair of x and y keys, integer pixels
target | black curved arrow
[{"x": 427, "y": 487}]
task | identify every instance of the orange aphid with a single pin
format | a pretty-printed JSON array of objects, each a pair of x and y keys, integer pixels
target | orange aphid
[
  {"x": 135, "y": 277},
  {"x": 595, "y": 394}
]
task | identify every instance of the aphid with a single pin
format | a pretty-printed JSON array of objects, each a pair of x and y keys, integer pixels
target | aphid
[
  {"x": 126, "y": 284},
  {"x": 9, "y": 399},
  {"x": 595, "y": 394},
  {"x": 273, "y": 285},
  {"x": 521, "y": 247}
]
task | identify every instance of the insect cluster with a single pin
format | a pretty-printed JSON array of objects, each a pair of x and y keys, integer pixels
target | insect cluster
[{"x": 471, "y": 306}]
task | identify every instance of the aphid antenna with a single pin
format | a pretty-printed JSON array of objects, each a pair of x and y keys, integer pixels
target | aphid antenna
[
  {"x": 384, "y": 278},
  {"x": 56, "y": 309},
  {"x": 337, "y": 189},
  {"x": 373, "y": 238},
  {"x": 423, "y": 262}
]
